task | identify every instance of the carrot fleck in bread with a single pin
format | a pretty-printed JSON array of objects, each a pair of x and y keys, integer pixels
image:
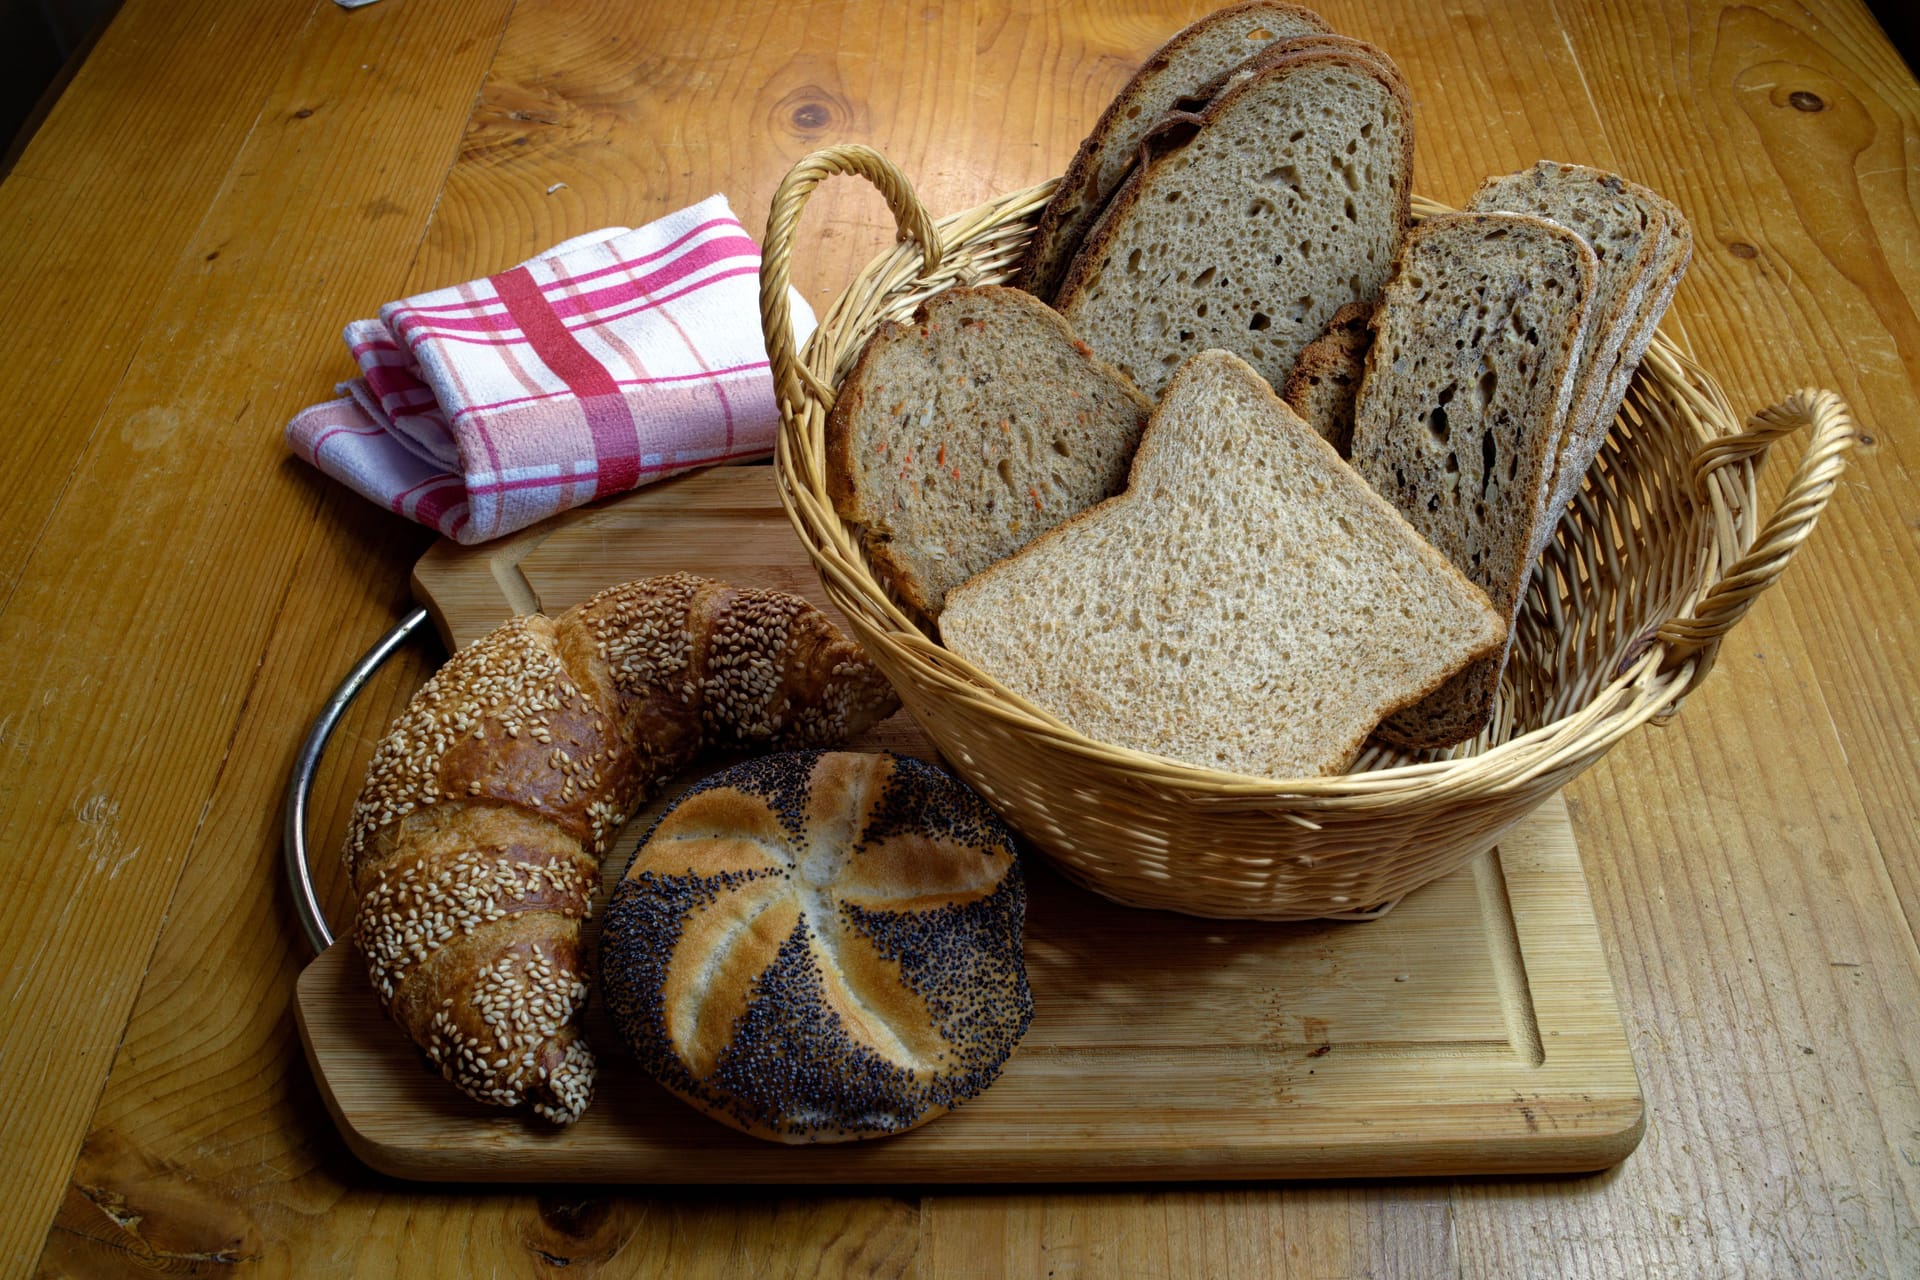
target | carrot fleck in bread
[{"x": 963, "y": 436}]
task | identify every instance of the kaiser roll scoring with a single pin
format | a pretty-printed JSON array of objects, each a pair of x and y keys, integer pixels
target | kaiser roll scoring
[{"x": 821, "y": 946}]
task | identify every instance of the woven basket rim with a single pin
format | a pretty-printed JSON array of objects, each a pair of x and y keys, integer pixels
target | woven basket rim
[{"x": 1669, "y": 665}]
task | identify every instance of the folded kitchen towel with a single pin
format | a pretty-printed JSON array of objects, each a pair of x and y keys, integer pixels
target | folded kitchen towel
[{"x": 613, "y": 360}]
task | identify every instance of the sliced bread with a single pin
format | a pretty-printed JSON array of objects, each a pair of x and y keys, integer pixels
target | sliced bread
[
  {"x": 1626, "y": 226},
  {"x": 1669, "y": 268},
  {"x": 1326, "y": 378},
  {"x": 1248, "y": 604},
  {"x": 1288, "y": 201},
  {"x": 961, "y": 437},
  {"x": 1470, "y": 380},
  {"x": 1197, "y": 55}
]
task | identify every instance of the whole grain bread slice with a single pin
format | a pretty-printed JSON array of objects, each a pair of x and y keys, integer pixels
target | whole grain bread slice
[
  {"x": 1626, "y": 225},
  {"x": 959, "y": 438},
  {"x": 1326, "y": 378},
  {"x": 1468, "y": 387},
  {"x": 1279, "y": 49},
  {"x": 1669, "y": 268},
  {"x": 1248, "y": 604},
  {"x": 1198, "y": 55},
  {"x": 1288, "y": 201}
]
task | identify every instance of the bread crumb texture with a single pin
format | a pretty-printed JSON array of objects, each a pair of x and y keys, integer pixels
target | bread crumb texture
[
  {"x": 962, "y": 437},
  {"x": 1247, "y": 605},
  {"x": 1288, "y": 203}
]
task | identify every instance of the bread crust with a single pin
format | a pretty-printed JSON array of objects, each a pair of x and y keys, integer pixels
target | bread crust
[
  {"x": 857, "y": 424},
  {"x": 475, "y": 843},
  {"x": 843, "y": 490},
  {"x": 1326, "y": 378},
  {"x": 1283, "y": 49},
  {"x": 821, "y": 947},
  {"x": 1277, "y": 62},
  {"x": 1668, "y": 268},
  {"x": 1544, "y": 189},
  {"x": 1461, "y": 708},
  {"x": 1082, "y": 192}
]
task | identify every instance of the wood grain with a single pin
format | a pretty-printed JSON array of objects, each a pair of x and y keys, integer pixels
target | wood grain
[
  {"x": 1754, "y": 865},
  {"x": 1163, "y": 1048},
  {"x": 107, "y": 777},
  {"x": 86, "y": 205},
  {"x": 1808, "y": 262},
  {"x": 1806, "y": 253}
]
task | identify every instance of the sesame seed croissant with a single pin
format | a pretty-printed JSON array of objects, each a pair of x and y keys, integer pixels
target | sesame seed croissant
[{"x": 474, "y": 847}]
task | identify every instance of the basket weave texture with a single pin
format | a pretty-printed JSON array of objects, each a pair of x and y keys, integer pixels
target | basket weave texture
[{"x": 1659, "y": 556}]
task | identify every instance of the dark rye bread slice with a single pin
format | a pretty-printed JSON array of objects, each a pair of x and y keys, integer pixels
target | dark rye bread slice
[
  {"x": 1626, "y": 227},
  {"x": 1468, "y": 386},
  {"x": 1669, "y": 268},
  {"x": 1248, "y": 604},
  {"x": 1197, "y": 55},
  {"x": 961, "y": 437},
  {"x": 1325, "y": 380},
  {"x": 1288, "y": 201}
]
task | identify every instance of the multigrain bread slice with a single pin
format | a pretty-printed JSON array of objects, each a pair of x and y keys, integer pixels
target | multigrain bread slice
[
  {"x": 1326, "y": 378},
  {"x": 1248, "y": 604},
  {"x": 1197, "y": 55},
  {"x": 961, "y": 437},
  {"x": 1626, "y": 226},
  {"x": 1288, "y": 201},
  {"x": 1470, "y": 380}
]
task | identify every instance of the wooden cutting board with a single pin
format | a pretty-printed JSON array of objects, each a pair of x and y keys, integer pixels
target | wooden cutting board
[{"x": 1473, "y": 1029}]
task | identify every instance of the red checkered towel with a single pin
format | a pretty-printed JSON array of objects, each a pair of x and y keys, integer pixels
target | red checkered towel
[{"x": 616, "y": 359}]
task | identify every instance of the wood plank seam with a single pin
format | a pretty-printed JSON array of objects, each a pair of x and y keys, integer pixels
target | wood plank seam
[{"x": 1586, "y": 88}]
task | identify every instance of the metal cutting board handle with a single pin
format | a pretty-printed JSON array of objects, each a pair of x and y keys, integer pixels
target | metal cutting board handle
[{"x": 306, "y": 902}]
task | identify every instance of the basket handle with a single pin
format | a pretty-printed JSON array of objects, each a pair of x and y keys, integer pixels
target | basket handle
[
  {"x": 776, "y": 315},
  {"x": 1814, "y": 481}
]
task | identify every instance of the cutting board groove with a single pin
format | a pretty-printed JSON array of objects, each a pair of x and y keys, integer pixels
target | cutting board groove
[{"x": 1473, "y": 1029}]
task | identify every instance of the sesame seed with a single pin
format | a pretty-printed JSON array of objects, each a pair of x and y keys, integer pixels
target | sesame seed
[{"x": 510, "y": 1035}]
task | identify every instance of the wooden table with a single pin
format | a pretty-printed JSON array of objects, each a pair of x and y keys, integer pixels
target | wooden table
[{"x": 225, "y": 184}]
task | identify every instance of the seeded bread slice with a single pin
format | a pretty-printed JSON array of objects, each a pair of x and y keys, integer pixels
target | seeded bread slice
[
  {"x": 1288, "y": 201},
  {"x": 1326, "y": 378},
  {"x": 1468, "y": 386},
  {"x": 1248, "y": 604},
  {"x": 958, "y": 439},
  {"x": 1626, "y": 226},
  {"x": 1197, "y": 55}
]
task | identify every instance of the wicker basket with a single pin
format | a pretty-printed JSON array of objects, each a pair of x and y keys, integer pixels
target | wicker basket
[{"x": 1653, "y": 564}]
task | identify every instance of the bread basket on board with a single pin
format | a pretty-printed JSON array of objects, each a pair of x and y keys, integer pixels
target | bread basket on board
[{"x": 1657, "y": 559}]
